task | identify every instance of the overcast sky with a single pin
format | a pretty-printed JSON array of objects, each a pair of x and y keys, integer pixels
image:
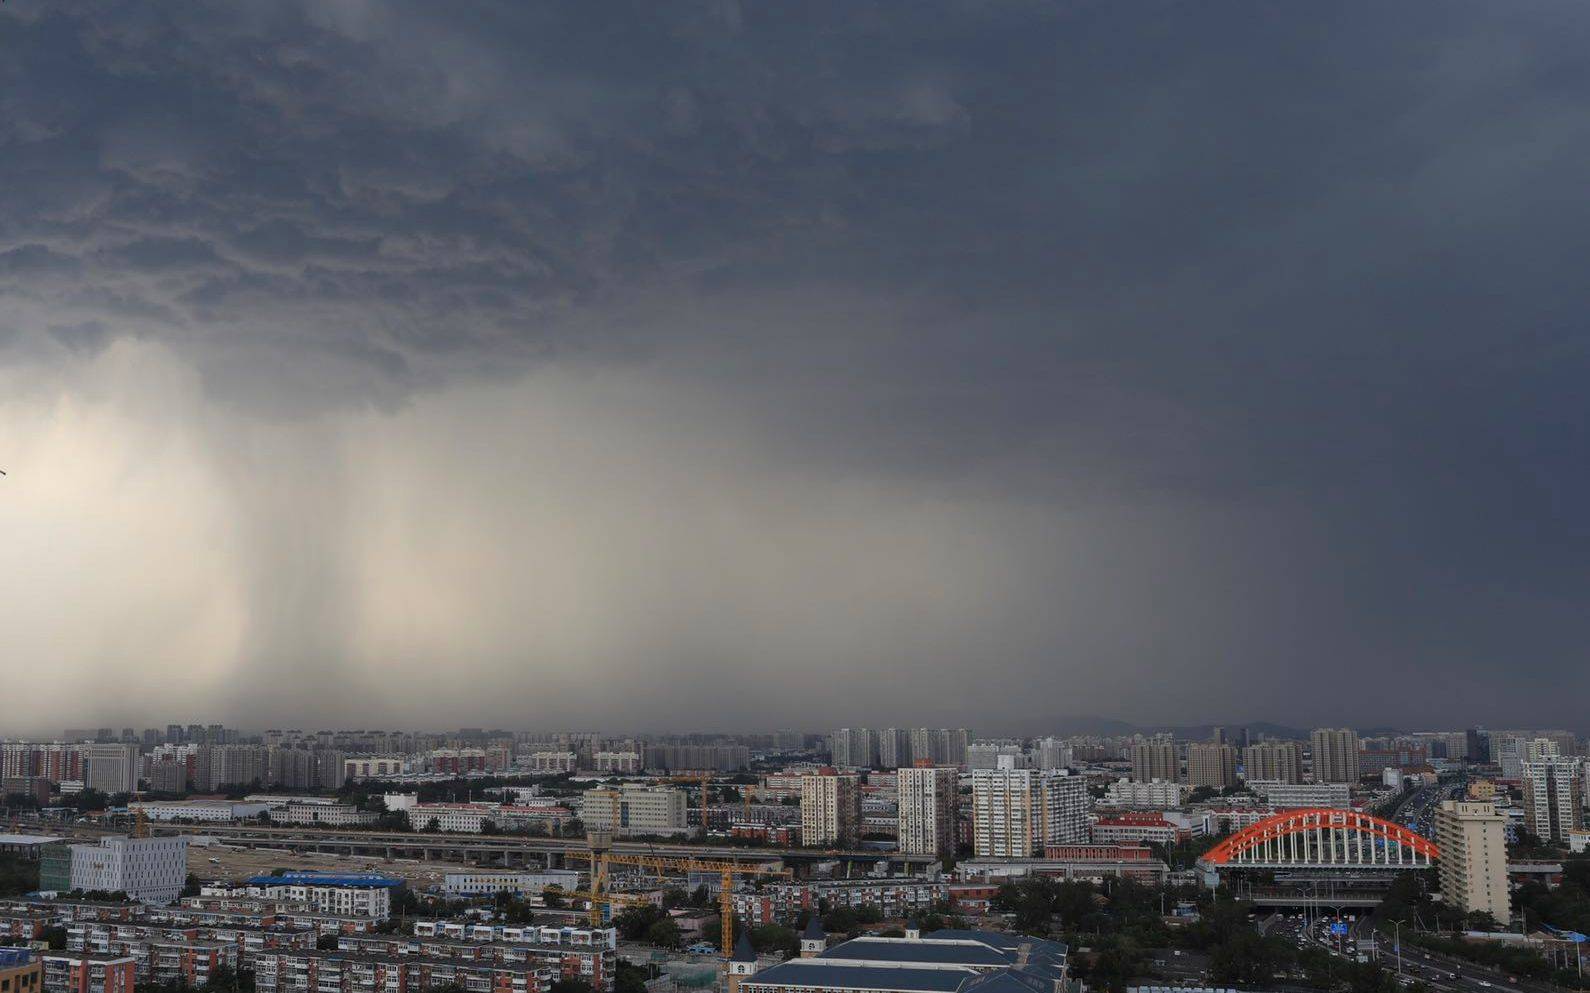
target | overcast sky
[{"x": 736, "y": 365}]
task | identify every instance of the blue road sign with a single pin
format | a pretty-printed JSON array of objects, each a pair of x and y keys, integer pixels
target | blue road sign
[{"x": 1338, "y": 929}]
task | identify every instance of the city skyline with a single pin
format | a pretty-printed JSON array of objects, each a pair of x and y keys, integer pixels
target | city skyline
[{"x": 709, "y": 364}]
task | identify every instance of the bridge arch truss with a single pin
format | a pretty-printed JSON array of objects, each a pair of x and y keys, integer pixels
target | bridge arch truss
[{"x": 1323, "y": 837}]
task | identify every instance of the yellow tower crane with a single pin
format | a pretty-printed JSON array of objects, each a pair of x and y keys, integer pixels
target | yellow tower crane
[{"x": 601, "y": 856}]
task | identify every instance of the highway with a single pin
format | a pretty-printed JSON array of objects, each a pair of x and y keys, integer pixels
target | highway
[
  {"x": 1440, "y": 972},
  {"x": 484, "y": 849}
]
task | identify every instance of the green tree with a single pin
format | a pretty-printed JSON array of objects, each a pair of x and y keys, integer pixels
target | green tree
[{"x": 663, "y": 933}]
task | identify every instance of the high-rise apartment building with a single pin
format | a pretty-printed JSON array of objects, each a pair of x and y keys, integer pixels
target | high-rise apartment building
[
  {"x": 1552, "y": 796},
  {"x": 941, "y": 746},
  {"x": 1273, "y": 761},
  {"x": 995, "y": 755},
  {"x": 1335, "y": 753},
  {"x": 1210, "y": 764},
  {"x": 1016, "y": 812},
  {"x": 1052, "y": 753},
  {"x": 854, "y": 748},
  {"x": 1473, "y": 857},
  {"x": 928, "y": 797},
  {"x": 894, "y": 748},
  {"x": 1153, "y": 760},
  {"x": 830, "y": 809}
]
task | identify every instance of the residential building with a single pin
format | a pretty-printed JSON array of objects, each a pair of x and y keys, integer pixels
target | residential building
[
  {"x": 1153, "y": 760},
  {"x": 1291, "y": 795},
  {"x": 82, "y": 972},
  {"x": 1017, "y": 812},
  {"x": 830, "y": 809},
  {"x": 927, "y": 802},
  {"x": 718, "y": 758},
  {"x": 995, "y": 755},
  {"x": 636, "y": 809},
  {"x": 56, "y": 761},
  {"x": 1473, "y": 867},
  {"x": 21, "y": 971},
  {"x": 341, "y": 894},
  {"x": 168, "y": 776},
  {"x": 1553, "y": 789},
  {"x": 1211, "y": 765},
  {"x": 1335, "y": 755},
  {"x": 35, "y": 788},
  {"x": 894, "y": 748},
  {"x": 553, "y": 763},
  {"x": 941, "y": 746},
  {"x": 1052, "y": 753},
  {"x": 586, "y": 955},
  {"x": 784, "y": 902},
  {"x": 150, "y": 870},
  {"x": 337, "y": 971},
  {"x": 853, "y": 748},
  {"x": 618, "y": 763},
  {"x": 1273, "y": 761},
  {"x": 1154, "y": 794},
  {"x": 357, "y": 767}
]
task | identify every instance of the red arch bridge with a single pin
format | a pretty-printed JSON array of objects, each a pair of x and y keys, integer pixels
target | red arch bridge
[{"x": 1323, "y": 838}]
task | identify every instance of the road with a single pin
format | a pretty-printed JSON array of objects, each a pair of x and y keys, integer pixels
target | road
[{"x": 1441, "y": 972}]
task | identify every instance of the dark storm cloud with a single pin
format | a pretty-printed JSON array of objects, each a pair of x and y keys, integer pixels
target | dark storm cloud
[{"x": 1299, "y": 290}]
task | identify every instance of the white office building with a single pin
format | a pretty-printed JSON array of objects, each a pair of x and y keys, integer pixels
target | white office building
[
  {"x": 150, "y": 870},
  {"x": 111, "y": 768}
]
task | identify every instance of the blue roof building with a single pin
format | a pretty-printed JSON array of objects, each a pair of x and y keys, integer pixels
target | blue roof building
[{"x": 947, "y": 961}]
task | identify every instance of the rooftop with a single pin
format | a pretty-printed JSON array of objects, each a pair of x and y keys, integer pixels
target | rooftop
[{"x": 817, "y": 974}]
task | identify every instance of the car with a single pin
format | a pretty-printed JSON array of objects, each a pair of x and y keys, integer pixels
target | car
[{"x": 1483, "y": 983}]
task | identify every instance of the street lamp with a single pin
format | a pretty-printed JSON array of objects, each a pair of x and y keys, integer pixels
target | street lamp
[{"x": 1397, "y": 927}]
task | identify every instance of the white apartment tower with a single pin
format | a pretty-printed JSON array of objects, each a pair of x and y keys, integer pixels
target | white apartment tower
[
  {"x": 1473, "y": 857},
  {"x": 1016, "y": 812}
]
